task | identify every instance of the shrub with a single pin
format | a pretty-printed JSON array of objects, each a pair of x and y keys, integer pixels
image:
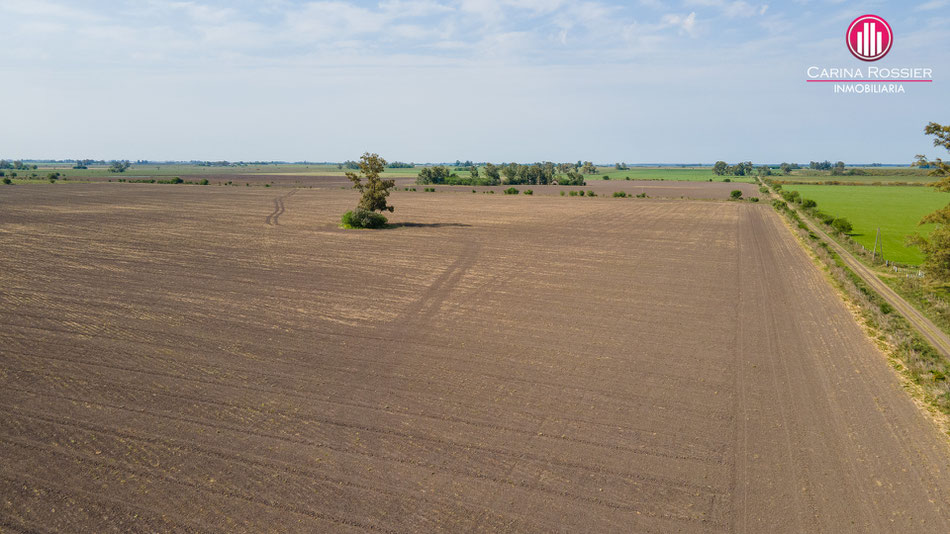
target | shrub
[
  {"x": 808, "y": 203},
  {"x": 779, "y": 204},
  {"x": 581, "y": 193},
  {"x": 726, "y": 180},
  {"x": 562, "y": 193},
  {"x": 360, "y": 218},
  {"x": 591, "y": 194},
  {"x": 753, "y": 199},
  {"x": 606, "y": 177},
  {"x": 642, "y": 195},
  {"x": 511, "y": 191},
  {"x": 7, "y": 181},
  {"x": 572, "y": 193},
  {"x": 791, "y": 196},
  {"x": 842, "y": 225},
  {"x": 763, "y": 189},
  {"x": 886, "y": 308},
  {"x": 735, "y": 194},
  {"x": 204, "y": 181},
  {"x": 620, "y": 194},
  {"x": 824, "y": 217},
  {"x": 627, "y": 178},
  {"x": 52, "y": 180},
  {"x": 528, "y": 191}
]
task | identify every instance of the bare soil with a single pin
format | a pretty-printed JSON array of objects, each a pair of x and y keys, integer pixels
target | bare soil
[{"x": 222, "y": 359}]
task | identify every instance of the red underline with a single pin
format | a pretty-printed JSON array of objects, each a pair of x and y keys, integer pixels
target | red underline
[{"x": 872, "y": 81}]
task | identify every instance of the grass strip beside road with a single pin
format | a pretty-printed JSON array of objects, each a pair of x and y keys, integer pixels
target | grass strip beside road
[{"x": 920, "y": 350}]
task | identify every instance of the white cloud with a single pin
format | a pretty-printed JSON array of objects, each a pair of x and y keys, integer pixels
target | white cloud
[
  {"x": 686, "y": 24},
  {"x": 46, "y": 9},
  {"x": 731, "y": 9},
  {"x": 932, "y": 5}
]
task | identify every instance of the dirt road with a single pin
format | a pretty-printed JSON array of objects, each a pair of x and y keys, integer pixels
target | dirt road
[
  {"x": 931, "y": 332},
  {"x": 173, "y": 359}
]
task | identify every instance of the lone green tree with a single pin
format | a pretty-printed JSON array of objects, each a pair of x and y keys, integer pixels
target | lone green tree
[
  {"x": 374, "y": 190},
  {"x": 936, "y": 248},
  {"x": 720, "y": 168}
]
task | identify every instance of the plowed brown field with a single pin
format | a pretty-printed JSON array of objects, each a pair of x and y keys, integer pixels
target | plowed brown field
[{"x": 177, "y": 358}]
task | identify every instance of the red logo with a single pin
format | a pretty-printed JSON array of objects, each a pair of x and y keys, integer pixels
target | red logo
[{"x": 869, "y": 38}]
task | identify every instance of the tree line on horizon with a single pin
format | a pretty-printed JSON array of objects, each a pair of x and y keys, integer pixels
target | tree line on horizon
[{"x": 542, "y": 173}]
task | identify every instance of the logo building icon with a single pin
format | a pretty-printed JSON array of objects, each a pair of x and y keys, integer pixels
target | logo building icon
[{"x": 869, "y": 38}]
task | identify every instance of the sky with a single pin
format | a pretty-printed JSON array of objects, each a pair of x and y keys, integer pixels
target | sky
[{"x": 644, "y": 81}]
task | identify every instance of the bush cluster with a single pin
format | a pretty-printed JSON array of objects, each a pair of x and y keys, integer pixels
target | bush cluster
[
  {"x": 511, "y": 191},
  {"x": 360, "y": 218},
  {"x": 620, "y": 194},
  {"x": 842, "y": 225}
]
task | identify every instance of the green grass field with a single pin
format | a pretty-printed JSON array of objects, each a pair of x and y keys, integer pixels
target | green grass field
[
  {"x": 876, "y": 175},
  {"x": 680, "y": 174},
  {"x": 896, "y": 210}
]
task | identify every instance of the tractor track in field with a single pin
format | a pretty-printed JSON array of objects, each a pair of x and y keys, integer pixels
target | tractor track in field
[
  {"x": 489, "y": 364},
  {"x": 274, "y": 218}
]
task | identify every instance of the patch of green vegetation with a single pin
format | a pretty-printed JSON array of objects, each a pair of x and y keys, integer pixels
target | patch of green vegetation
[
  {"x": 361, "y": 218},
  {"x": 862, "y": 175},
  {"x": 896, "y": 210}
]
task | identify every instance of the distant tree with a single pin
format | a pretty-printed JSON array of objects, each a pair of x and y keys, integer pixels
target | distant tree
[
  {"x": 352, "y": 165},
  {"x": 744, "y": 168},
  {"x": 720, "y": 168},
  {"x": 437, "y": 174},
  {"x": 548, "y": 173},
  {"x": 492, "y": 175},
  {"x": 786, "y": 169},
  {"x": 511, "y": 172},
  {"x": 473, "y": 171},
  {"x": 119, "y": 166},
  {"x": 735, "y": 194},
  {"x": 764, "y": 170},
  {"x": 564, "y": 168},
  {"x": 400, "y": 165},
  {"x": 375, "y": 190},
  {"x": 621, "y": 166},
  {"x": 588, "y": 168},
  {"x": 573, "y": 178}
]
